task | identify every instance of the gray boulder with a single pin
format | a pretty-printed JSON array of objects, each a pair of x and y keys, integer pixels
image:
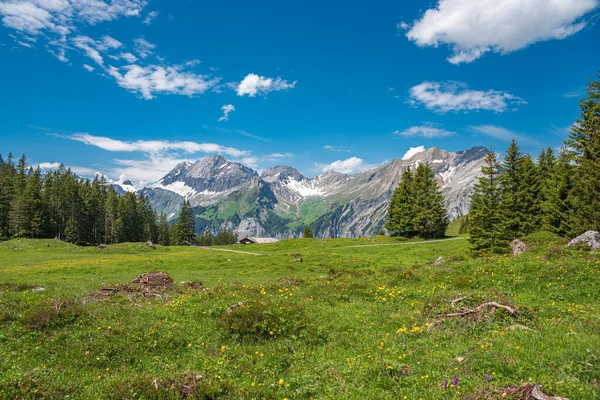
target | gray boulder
[
  {"x": 519, "y": 247},
  {"x": 590, "y": 238}
]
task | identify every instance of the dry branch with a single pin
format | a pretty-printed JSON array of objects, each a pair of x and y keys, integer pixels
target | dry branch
[{"x": 470, "y": 311}]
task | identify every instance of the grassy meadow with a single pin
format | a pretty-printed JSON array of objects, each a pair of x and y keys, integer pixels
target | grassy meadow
[{"x": 356, "y": 319}]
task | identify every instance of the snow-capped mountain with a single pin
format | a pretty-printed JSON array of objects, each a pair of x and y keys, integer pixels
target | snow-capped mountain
[{"x": 281, "y": 201}]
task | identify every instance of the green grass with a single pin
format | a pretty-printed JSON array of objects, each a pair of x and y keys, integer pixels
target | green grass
[{"x": 347, "y": 322}]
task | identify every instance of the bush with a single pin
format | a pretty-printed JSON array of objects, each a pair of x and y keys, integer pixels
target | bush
[
  {"x": 258, "y": 320},
  {"x": 544, "y": 239}
]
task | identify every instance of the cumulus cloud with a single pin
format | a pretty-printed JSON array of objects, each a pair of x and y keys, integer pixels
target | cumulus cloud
[
  {"x": 426, "y": 131},
  {"x": 154, "y": 146},
  {"x": 413, "y": 151},
  {"x": 92, "y": 47},
  {"x": 502, "y": 133},
  {"x": 227, "y": 108},
  {"x": 156, "y": 79},
  {"x": 337, "y": 149},
  {"x": 444, "y": 97},
  {"x": 472, "y": 28},
  {"x": 88, "y": 68},
  {"x": 254, "y": 84},
  {"x": 348, "y": 166}
]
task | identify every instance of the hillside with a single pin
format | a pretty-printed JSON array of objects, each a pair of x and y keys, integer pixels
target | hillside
[
  {"x": 348, "y": 322},
  {"x": 281, "y": 201}
]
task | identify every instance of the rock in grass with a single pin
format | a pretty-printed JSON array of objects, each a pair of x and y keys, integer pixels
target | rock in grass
[
  {"x": 590, "y": 238},
  {"x": 519, "y": 247},
  {"x": 438, "y": 262}
]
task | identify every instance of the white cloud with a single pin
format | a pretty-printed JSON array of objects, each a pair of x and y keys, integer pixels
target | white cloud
[
  {"x": 227, "y": 108},
  {"x": 88, "y": 67},
  {"x": 143, "y": 47},
  {"x": 155, "y": 79},
  {"x": 60, "y": 16},
  {"x": 92, "y": 48},
  {"x": 150, "y": 17},
  {"x": 412, "y": 152},
  {"x": 443, "y": 97},
  {"x": 348, "y": 166},
  {"x": 426, "y": 131},
  {"x": 149, "y": 170},
  {"x": 337, "y": 149},
  {"x": 501, "y": 133},
  {"x": 130, "y": 58},
  {"x": 254, "y": 84},
  {"x": 83, "y": 171},
  {"x": 474, "y": 27},
  {"x": 154, "y": 146}
]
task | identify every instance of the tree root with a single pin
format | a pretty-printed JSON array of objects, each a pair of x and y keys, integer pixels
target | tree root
[{"x": 471, "y": 311}]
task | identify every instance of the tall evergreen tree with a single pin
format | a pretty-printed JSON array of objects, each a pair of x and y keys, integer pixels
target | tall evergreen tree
[
  {"x": 7, "y": 173},
  {"x": 584, "y": 140},
  {"x": 511, "y": 184},
  {"x": 485, "y": 218},
  {"x": 186, "y": 224},
  {"x": 557, "y": 203},
  {"x": 400, "y": 215},
  {"x": 529, "y": 196},
  {"x": 429, "y": 215},
  {"x": 163, "y": 230}
]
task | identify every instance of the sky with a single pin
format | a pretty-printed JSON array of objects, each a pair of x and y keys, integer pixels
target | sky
[{"x": 130, "y": 88}]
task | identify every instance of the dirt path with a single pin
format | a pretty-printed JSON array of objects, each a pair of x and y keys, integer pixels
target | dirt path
[
  {"x": 230, "y": 251},
  {"x": 405, "y": 243}
]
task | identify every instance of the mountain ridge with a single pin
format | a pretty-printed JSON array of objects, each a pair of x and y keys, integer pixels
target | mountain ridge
[{"x": 280, "y": 201}]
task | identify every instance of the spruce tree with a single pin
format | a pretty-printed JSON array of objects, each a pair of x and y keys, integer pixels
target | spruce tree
[
  {"x": 186, "y": 225},
  {"x": 400, "y": 214},
  {"x": 584, "y": 140},
  {"x": 557, "y": 205},
  {"x": 308, "y": 233},
  {"x": 485, "y": 218},
  {"x": 529, "y": 196},
  {"x": 7, "y": 173},
  {"x": 510, "y": 181},
  {"x": 163, "y": 230},
  {"x": 429, "y": 215}
]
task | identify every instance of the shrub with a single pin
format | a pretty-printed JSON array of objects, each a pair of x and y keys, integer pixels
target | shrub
[
  {"x": 258, "y": 320},
  {"x": 543, "y": 239}
]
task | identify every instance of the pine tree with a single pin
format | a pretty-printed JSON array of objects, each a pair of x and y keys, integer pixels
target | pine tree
[
  {"x": 17, "y": 218},
  {"x": 585, "y": 142},
  {"x": 557, "y": 204},
  {"x": 529, "y": 196},
  {"x": 186, "y": 225},
  {"x": 206, "y": 239},
  {"x": 33, "y": 206},
  {"x": 429, "y": 215},
  {"x": 163, "y": 230},
  {"x": 400, "y": 214},
  {"x": 7, "y": 173},
  {"x": 510, "y": 178},
  {"x": 308, "y": 233},
  {"x": 225, "y": 237},
  {"x": 485, "y": 218}
]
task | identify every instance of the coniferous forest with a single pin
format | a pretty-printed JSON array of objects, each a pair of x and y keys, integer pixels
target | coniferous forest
[{"x": 59, "y": 204}]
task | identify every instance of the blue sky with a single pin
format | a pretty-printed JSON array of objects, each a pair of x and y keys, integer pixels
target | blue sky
[{"x": 129, "y": 88}]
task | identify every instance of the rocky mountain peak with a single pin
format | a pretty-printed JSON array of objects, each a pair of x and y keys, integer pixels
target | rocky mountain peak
[{"x": 283, "y": 173}]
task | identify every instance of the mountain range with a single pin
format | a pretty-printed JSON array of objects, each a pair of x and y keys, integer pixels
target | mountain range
[{"x": 280, "y": 201}]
